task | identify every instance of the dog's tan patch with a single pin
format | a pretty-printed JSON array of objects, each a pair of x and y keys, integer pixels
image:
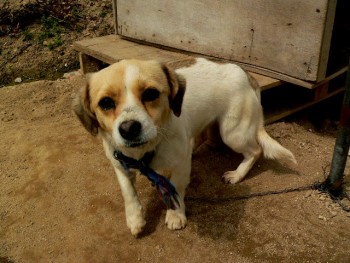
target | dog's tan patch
[
  {"x": 130, "y": 78},
  {"x": 108, "y": 83}
]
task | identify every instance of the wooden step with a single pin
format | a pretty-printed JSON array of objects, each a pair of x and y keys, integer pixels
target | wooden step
[{"x": 110, "y": 49}]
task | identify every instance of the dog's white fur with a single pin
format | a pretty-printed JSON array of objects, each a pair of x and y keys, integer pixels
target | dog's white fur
[{"x": 221, "y": 93}]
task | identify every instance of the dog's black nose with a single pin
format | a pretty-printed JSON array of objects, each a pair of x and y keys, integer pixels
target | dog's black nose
[{"x": 129, "y": 130}]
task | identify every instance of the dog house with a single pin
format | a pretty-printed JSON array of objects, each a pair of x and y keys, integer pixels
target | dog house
[{"x": 299, "y": 42}]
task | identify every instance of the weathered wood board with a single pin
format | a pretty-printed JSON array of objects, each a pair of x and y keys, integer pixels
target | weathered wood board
[
  {"x": 110, "y": 49},
  {"x": 289, "y": 37}
]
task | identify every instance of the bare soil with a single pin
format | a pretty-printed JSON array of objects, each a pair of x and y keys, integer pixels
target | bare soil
[
  {"x": 36, "y": 36},
  {"x": 60, "y": 200}
]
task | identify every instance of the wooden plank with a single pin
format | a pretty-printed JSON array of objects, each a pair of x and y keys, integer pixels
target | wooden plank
[
  {"x": 110, "y": 49},
  {"x": 95, "y": 41},
  {"x": 330, "y": 77},
  {"x": 321, "y": 92},
  {"x": 265, "y": 82},
  {"x": 279, "y": 114},
  {"x": 89, "y": 64},
  {"x": 305, "y": 84},
  {"x": 277, "y": 75},
  {"x": 278, "y": 35},
  {"x": 288, "y": 99},
  {"x": 326, "y": 40},
  {"x": 114, "y": 4}
]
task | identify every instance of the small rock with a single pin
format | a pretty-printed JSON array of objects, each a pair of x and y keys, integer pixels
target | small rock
[
  {"x": 308, "y": 194},
  {"x": 322, "y": 197},
  {"x": 70, "y": 75},
  {"x": 322, "y": 218},
  {"x": 333, "y": 213},
  {"x": 18, "y": 80}
]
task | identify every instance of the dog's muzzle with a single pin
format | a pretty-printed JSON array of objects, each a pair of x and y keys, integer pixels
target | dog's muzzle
[{"x": 131, "y": 131}]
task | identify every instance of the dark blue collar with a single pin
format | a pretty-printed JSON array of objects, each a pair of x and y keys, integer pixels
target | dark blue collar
[{"x": 165, "y": 188}]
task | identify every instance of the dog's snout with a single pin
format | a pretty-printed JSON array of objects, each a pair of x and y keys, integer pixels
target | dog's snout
[{"x": 130, "y": 130}]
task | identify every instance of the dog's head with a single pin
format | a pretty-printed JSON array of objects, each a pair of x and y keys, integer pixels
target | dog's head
[{"x": 129, "y": 102}]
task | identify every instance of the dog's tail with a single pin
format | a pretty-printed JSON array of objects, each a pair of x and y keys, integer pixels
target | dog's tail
[{"x": 272, "y": 149}]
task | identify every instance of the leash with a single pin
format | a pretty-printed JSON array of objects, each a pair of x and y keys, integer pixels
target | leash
[{"x": 166, "y": 190}]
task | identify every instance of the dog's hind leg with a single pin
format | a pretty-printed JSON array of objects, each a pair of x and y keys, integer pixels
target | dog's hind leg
[
  {"x": 241, "y": 139},
  {"x": 250, "y": 157}
]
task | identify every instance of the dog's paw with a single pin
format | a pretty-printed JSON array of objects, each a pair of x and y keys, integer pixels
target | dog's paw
[
  {"x": 231, "y": 177},
  {"x": 175, "y": 219},
  {"x": 136, "y": 225}
]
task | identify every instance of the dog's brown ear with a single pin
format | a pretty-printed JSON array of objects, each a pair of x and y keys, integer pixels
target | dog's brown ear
[
  {"x": 177, "y": 85},
  {"x": 81, "y": 107}
]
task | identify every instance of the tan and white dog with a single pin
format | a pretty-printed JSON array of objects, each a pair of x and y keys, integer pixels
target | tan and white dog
[{"x": 138, "y": 107}]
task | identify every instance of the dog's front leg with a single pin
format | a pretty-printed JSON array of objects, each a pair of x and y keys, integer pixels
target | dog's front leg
[
  {"x": 133, "y": 208},
  {"x": 180, "y": 178},
  {"x": 176, "y": 219}
]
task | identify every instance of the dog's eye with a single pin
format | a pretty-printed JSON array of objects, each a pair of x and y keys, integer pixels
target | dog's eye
[
  {"x": 150, "y": 95},
  {"x": 106, "y": 103}
]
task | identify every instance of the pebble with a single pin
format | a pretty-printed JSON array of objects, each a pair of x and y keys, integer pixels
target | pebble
[
  {"x": 70, "y": 75},
  {"x": 333, "y": 213},
  {"x": 308, "y": 194},
  {"x": 322, "y": 218},
  {"x": 322, "y": 197},
  {"x": 18, "y": 80}
]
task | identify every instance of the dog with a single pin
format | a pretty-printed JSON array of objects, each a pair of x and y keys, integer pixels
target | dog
[{"x": 138, "y": 107}]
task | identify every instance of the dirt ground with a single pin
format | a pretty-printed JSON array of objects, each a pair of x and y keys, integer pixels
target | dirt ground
[
  {"x": 36, "y": 36},
  {"x": 60, "y": 201}
]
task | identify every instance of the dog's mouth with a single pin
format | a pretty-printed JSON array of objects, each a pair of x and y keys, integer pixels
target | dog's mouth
[{"x": 134, "y": 144}]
